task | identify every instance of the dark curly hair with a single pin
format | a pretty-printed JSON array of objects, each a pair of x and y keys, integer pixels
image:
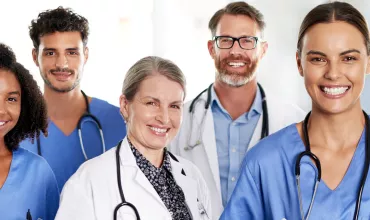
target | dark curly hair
[
  {"x": 33, "y": 116},
  {"x": 58, "y": 20}
]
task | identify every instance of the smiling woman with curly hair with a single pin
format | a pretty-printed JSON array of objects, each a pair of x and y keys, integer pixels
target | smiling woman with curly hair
[{"x": 28, "y": 188}]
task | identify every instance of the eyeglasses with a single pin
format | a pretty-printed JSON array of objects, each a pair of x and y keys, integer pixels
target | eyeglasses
[{"x": 227, "y": 42}]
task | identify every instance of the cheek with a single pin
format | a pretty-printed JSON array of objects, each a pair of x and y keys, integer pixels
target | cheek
[{"x": 176, "y": 118}]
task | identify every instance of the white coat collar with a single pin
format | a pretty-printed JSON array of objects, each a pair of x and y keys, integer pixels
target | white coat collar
[{"x": 186, "y": 182}]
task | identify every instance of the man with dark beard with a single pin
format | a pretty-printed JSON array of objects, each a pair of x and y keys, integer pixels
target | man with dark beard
[
  {"x": 223, "y": 122},
  {"x": 60, "y": 52}
]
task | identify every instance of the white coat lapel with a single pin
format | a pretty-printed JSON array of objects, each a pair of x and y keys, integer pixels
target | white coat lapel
[
  {"x": 128, "y": 159},
  {"x": 209, "y": 141},
  {"x": 188, "y": 186},
  {"x": 257, "y": 133}
]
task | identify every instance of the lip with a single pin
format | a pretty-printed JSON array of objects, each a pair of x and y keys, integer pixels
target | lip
[
  {"x": 62, "y": 76},
  {"x": 330, "y": 96},
  {"x": 159, "y": 134}
]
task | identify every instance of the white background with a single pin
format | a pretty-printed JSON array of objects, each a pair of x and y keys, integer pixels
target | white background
[{"x": 123, "y": 31}]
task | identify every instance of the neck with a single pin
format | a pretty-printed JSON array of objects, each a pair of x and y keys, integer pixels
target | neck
[
  {"x": 4, "y": 151},
  {"x": 236, "y": 100},
  {"x": 154, "y": 156},
  {"x": 64, "y": 105},
  {"x": 336, "y": 131}
]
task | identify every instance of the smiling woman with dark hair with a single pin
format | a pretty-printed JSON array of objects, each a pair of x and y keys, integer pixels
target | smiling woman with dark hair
[
  {"x": 317, "y": 169},
  {"x": 28, "y": 188}
]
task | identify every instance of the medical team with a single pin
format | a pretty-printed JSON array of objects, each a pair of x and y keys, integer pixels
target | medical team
[{"x": 312, "y": 167}]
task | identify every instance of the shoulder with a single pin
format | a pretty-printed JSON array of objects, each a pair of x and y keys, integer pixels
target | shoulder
[
  {"x": 96, "y": 167},
  {"x": 102, "y": 105},
  {"x": 273, "y": 148},
  {"x": 31, "y": 159}
]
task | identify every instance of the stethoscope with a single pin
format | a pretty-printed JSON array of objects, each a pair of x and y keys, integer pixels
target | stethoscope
[
  {"x": 87, "y": 114},
  {"x": 190, "y": 146},
  {"x": 201, "y": 208},
  {"x": 308, "y": 153}
]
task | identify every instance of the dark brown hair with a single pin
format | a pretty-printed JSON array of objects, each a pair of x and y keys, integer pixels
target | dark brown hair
[
  {"x": 237, "y": 8},
  {"x": 331, "y": 12},
  {"x": 33, "y": 117}
]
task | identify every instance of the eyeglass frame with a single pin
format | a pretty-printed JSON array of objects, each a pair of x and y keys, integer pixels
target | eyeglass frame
[{"x": 256, "y": 39}]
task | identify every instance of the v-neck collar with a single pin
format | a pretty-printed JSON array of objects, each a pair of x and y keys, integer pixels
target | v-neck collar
[{"x": 360, "y": 149}]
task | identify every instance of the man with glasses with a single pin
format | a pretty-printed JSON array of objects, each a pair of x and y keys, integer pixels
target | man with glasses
[{"x": 230, "y": 117}]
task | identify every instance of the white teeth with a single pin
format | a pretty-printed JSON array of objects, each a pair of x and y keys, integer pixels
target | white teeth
[
  {"x": 2, "y": 123},
  {"x": 159, "y": 130},
  {"x": 234, "y": 64},
  {"x": 335, "y": 91}
]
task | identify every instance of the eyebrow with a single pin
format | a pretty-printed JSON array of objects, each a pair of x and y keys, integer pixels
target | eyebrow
[
  {"x": 314, "y": 52},
  {"x": 157, "y": 100},
  {"x": 53, "y": 49},
  {"x": 14, "y": 93},
  {"x": 349, "y": 51}
]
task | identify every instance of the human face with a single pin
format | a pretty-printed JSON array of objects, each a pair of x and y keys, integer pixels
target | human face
[
  {"x": 61, "y": 57},
  {"x": 10, "y": 102},
  {"x": 333, "y": 62},
  {"x": 154, "y": 115},
  {"x": 236, "y": 66}
]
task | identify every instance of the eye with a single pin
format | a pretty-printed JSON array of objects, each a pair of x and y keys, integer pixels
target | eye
[
  {"x": 11, "y": 99},
  {"x": 73, "y": 53},
  {"x": 318, "y": 60},
  {"x": 49, "y": 53},
  {"x": 151, "y": 103},
  {"x": 349, "y": 58},
  {"x": 175, "y": 106}
]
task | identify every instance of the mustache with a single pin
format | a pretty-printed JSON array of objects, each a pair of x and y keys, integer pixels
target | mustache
[
  {"x": 233, "y": 57},
  {"x": 62, "y": 70}
]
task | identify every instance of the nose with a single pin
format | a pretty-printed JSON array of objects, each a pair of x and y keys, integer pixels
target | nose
[
  {"x": 236, "y": 49},
  {"x": 163, "y": 116},
  {"x": 333, "y": 71},
  {"x": 61, "y": 62},
  {"x": 2, "y": 108}
]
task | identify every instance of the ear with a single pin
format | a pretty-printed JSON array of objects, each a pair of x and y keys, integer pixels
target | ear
[
  {"x": 86, "y": 54},
  {"x": 124, "y": 107},
  {"x": 35, "y": 56},
  {"x": 299, "y": 63},
  {"x": 264, "y": 48},
  {"x": 368, "y": 66},
  {"x": 211, "y": 48}
]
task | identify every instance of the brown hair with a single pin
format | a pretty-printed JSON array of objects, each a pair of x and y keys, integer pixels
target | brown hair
[
  {"x": 237, "y": 8},
  {"x": 334, "y": 11}
]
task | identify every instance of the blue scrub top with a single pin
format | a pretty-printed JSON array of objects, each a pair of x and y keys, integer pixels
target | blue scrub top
[
  {"x": 267, "y": 185},
  {"x": 64, "y": 153},
  {"x": 30, "y": 185}
]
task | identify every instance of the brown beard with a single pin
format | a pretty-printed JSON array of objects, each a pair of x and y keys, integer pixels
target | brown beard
[{"x": 238, "y": 78}]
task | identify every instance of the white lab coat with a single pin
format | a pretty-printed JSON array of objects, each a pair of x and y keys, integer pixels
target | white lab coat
[
  {"x": 92, "y": 192},
  {"x": 205, "y": 157}
]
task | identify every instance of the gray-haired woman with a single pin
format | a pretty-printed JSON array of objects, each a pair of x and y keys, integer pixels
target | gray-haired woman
[{"x": 140, "y": 179}]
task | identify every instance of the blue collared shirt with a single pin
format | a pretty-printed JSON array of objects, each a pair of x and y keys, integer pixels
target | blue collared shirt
[{"x": 232, "y": 140}]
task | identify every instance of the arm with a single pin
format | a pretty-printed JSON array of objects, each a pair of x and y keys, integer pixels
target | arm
[
  {"x": 52, "y": 196},
  {"x": 245, "y": 202}
]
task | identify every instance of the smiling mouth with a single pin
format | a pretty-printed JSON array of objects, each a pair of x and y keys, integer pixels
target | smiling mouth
[
  {"x": 236, "y": 64},
  {"x": 159, "y": 130},
  {"x": 2, "y": 123},
  {"x": 334, "y": 90}
]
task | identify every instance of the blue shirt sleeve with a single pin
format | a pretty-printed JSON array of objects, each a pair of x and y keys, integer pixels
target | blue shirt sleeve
[
  {"x": 245, "y": 201},
  {"x": 52, "y": 195}
]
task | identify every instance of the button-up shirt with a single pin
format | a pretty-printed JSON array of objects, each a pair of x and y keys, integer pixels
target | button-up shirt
[{"x": 232, "y": 140}]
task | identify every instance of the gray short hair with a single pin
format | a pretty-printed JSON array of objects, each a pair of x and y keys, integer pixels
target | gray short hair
[{"x": 148, "y": 66}]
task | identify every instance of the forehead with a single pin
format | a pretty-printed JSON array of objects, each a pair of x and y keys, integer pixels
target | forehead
[
  {"x": 237, "y": 25},
  {"x": 333, "y": 37},
  {"x": 8, "y": 81},
  {"x": 61, "y": 40},
  {"x": 162, "y": 88}
]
